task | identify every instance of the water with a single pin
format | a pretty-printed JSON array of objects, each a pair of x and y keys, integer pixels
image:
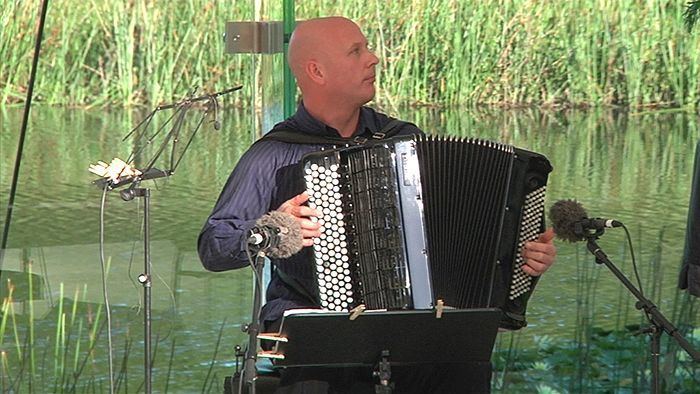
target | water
[{"x": 634, "y": 167}]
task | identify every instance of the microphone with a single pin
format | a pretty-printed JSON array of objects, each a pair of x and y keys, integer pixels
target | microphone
[
  {"x": 278, "y": 234},
  {"x": 571, "y": 222}
]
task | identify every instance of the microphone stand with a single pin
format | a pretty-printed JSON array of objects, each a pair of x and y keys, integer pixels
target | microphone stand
[
  {"x": 658, "y": 322},
  {"x": 250, "y": 373},
  {"x": 150, "y": 172},
  {"x": 145, "y": 277}
]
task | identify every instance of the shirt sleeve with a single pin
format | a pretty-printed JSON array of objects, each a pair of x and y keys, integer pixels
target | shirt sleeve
[{"x": 245, "y": 198}]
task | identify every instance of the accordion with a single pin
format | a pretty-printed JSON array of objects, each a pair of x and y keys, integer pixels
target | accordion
[{"x": 411, "y": 222}]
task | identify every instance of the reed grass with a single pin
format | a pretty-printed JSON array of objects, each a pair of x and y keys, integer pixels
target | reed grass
[
  {"x": 433, "y": 52},
  {"x": 60, "y": 340},
  {"x": 125, "y": 53},
  {"x": 31, "y": 338},
  {"x": 208, "y": 381},
  {"x": 67, "y": 345},
  {"x": 8, "y": 311}
]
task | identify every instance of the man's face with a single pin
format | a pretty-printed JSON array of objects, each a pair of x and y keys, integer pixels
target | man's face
[{"x": 350, "y": 68}]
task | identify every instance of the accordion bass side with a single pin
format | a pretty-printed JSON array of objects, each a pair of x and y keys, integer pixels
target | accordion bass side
[{"x": 411, "y": 221}]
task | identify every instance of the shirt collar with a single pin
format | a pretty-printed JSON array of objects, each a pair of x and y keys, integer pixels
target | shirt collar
[{"x": 303, "y": 120}]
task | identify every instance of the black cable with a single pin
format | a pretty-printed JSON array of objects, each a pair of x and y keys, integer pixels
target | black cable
[
  {"x": 634, "y": 261},
  {"x": 636, "y": 271},
  {"x": 23, "y": 130}
]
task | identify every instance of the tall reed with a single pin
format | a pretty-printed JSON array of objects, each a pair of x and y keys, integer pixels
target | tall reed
[
  {"x": 126, "y": 53},
  {"x": 433, "y": 52}
]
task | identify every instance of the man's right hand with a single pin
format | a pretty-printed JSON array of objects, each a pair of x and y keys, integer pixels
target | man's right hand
[{"x": 309, "y": 229}]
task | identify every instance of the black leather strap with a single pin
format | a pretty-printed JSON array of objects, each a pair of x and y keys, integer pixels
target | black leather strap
[{"x": 299, "y": 137}]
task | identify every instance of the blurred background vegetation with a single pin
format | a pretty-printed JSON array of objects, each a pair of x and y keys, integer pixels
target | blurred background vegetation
[
  {"x": 608, "y": 90},
  {"x": 433, "y": 52}
]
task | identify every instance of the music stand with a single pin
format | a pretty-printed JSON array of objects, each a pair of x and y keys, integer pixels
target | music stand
[
  {"x": 321, "y": 338},
  {"x": 149, "y": 172}
]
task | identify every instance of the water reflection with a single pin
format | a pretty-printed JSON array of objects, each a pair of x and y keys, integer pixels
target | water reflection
[{"x": 634, "y": 167}]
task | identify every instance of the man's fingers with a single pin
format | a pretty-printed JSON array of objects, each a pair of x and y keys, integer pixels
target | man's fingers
[
  {"x": 547, "y": 236},
  {"x": 299, "y": 199},
  {"x": 539, "y": 257},
  {"x": 307, "y": 224},
  {"x": 536, "y": 267},
  {"x": 309, "y": 230},
  {"x": 306, "y": 234},
  {"x": 303, "y": 211},
  {"x": 546, "y": 248},
  {"x": 295, "y": 201},
  {"x": 531, "y": 271},
  {"x": 294, "y": 206}
]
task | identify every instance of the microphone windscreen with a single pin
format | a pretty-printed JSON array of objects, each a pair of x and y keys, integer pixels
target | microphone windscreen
[
  {"x": 290, "y": 238},
  {"x": 564, "y": 215}
]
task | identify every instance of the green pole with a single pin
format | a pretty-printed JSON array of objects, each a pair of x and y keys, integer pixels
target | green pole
[{"x": 290, "y": 88}]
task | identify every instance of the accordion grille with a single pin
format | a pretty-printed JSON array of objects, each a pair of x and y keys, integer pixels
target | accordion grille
[{"x": 465, "y": 186}]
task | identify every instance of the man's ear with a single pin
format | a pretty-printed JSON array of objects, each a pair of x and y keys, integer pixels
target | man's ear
[{"x": 316, "y": 72}]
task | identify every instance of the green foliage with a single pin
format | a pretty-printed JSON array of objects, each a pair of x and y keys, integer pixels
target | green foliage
[
  {"x": 613, "y": 361},
  {"x": 691, "y": 14},
  {"x": 433, "y": 52},
  {"x": 118, "y": 52},
  {"x": 71, "y": 351}
]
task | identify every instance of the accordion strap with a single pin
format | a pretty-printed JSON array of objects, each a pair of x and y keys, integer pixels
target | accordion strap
[{"x": 292, "y": 136}]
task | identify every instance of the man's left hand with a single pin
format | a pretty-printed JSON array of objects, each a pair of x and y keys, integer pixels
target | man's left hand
[{"x": 540, "y": 254}]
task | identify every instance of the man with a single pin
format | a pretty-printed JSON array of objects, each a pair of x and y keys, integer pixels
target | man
[{"x": 335, "y": 71}]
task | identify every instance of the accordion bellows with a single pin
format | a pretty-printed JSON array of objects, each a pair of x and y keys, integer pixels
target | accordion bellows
[{"x": 410, "y": 221}]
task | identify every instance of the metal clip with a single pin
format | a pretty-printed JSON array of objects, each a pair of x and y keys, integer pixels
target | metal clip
[
  {"x": 357, "y": 311},
  {"x": 439, "y": 308},
  {"x": 359, "y": 140}
]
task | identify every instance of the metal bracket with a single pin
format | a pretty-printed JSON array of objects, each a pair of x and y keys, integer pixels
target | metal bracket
[{"x": 254, "y": 37}]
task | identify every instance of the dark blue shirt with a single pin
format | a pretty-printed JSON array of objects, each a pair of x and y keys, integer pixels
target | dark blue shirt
[{"x": 266, "y": 176}]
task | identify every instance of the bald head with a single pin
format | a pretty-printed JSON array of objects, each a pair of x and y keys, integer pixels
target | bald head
[
  {"x": 331, "y": 61},
  {"x": 313, "y": 40}
]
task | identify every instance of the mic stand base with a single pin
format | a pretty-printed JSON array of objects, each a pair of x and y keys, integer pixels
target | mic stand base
[{"x": 658, "y": 321}]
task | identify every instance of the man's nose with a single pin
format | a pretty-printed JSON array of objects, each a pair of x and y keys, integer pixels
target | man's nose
[{"x": 373, "y": 59}]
